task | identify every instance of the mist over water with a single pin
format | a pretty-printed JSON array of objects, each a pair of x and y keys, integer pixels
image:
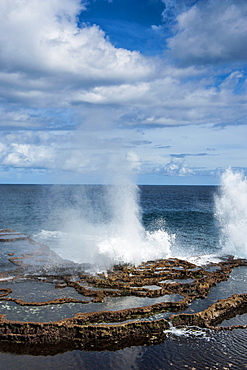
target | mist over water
[
  {"x": 105, "y": 225},
  {"x": 231, "y": 213},
  {"x": 126, "y": 240},
  {"x": 106, "y": 228}
]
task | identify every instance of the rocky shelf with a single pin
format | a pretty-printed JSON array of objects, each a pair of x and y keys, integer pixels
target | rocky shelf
[{"x": 170, "y": 285}]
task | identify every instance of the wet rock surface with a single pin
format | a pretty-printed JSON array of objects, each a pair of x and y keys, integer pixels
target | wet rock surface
[{"x": 170, "y": 286}]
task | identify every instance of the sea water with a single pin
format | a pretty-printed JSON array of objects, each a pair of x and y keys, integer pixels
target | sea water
[
  {"x": 80, "y": 223},
  {"x": 117, "y": 224}
]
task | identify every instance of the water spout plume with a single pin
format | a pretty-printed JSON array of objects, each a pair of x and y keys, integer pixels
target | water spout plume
[
  {"x": 105, "y": 227},
  {"x": 231, "y": 213}
]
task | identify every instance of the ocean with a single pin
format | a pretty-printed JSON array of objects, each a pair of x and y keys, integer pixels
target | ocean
[{"x": 106, "y": 225}]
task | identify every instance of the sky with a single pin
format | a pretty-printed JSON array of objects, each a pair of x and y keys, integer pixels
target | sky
[{"x": 95, "y": 90}]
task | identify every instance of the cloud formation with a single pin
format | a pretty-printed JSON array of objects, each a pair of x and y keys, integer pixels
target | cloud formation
[
  {"x": 70, "y": 98},
  {"x": 44, "y": 50},
  {"x": 211, "y": 32}
]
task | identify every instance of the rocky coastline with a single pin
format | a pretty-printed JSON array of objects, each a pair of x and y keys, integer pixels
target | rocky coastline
[{"x": 25, "y": 260}]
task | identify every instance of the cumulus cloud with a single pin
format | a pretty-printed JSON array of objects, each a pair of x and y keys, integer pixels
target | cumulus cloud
[
  {"x": 44, "y": 50},
  {"x": 175, "y": 167},
  {"x": 211, "y": 31},
  {"x": 179, "y": 167},
  {"x": 27, "y": 149},
  {"x": 58, "y": 75},
  {"x": 47, "y": 61}
]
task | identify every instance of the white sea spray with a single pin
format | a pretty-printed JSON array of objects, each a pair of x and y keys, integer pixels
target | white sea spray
[
  {"x": 107, "y": 229},
  {"x": 231, "y": 213}
]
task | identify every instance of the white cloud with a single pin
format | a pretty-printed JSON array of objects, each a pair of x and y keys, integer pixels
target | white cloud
[
  {"x": 178, "y": 166},
  {"x": 28, "y": 149},
  {"x": 47, "y": 61},
  {"x": 125, "y": 93},
  {"x": 80, "y": 152},
  {"x": 42, "y": 37},
  {"x": 55, "y": 75},
  {"x": 27, "y": 155},
  {"x": 17, "y": 118},
  {"x": 231, "y": 81},
  {"x": 104, "y": 153},
  {"x": 210, "y": 32}
]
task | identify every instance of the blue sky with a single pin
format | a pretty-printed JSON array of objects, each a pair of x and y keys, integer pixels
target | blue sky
[{"x": 97, "y": 90}]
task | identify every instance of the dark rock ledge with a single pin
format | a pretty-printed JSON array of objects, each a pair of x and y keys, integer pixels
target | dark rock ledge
[
  {"x": 108, "y": 329},
  {"x": 215, "y": 314},
  {"x": 73, "y": 333}
]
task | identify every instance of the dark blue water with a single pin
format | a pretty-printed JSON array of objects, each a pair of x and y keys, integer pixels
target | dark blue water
[{"x": 186, "y": 211}]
